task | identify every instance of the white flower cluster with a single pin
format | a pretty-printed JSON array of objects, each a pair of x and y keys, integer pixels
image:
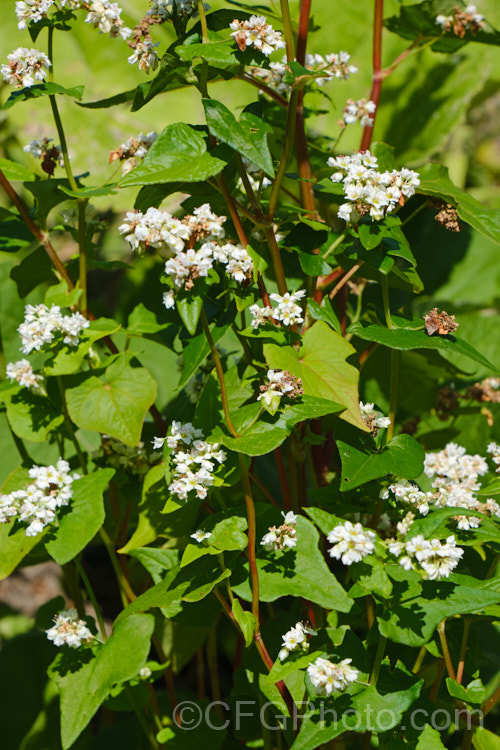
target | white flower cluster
[
  {"x": 105, "y": 16},
  {"x": 256, "y": 32},
  {"x": 205, "y": 224},
  {"x": 331, "y": 66},
  {"x": 201, "y": 536},
  {"x": 359, "y": 110},
  {"x": 368, "y": 190},
  {"x": 31, "y": 11},
  {"x": 493, "y": 451},
  {"x": 22, "y": 372},
  {"x": 328, "y": 677},
  {"x": 132, "y": 149},
  {"x": 372, "y": 419},
  {"x": 193, "y": 467},
  {"x": 433, "y": 558},
  {"x": 295, "y": 639},
  {"x": 69, "y": 630},
  {"x": 282, "y": 537},
  {"x": 144, "y": 54},
  {"x": 280, "y": 383},
  {"x": 455, "y": 476},
  {"x": 37, "y": 503},
  {"x": 161, "y": 230},
  {"x": 191, "y": 264},
  {"x": 155, "y": 228},
  {"x": 287, "y": 311},
  {"x": 42, "y": 324},
  {"x": 352, "y": 542},
  {"x": 25, "y": 66}
]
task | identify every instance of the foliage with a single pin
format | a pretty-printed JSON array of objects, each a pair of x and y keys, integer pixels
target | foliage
[{"x": 254, "y": 368}]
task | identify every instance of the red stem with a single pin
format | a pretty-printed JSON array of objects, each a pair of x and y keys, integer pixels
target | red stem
[
  {"x": 377, "y": 71},
  {"x": 304, "y": 165}
]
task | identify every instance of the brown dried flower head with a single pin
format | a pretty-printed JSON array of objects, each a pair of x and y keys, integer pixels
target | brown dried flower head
[{"x": 440, "y": 322}]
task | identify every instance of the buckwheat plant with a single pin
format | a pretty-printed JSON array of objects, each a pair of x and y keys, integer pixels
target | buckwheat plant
[{"x": 249, "y": 387}]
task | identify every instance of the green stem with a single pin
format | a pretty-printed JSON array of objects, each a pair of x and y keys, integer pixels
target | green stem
[
  {"x": 385, "y": 297},
  {"x": 220, "y": 373},
  {"x": 126, "y": 593},
  {"x": 203, "y": 22},
  {"x": 335, "y": 244},
  {"x": 57, "y": 117},
  {"x": 252, "y": 533},
  {"x": 395, "y": 358},
  {"x": 82, "y": 254},
  {"x": 378, "y": 660},
  {"x": 491, "y": 702},
  {"x": 279, "y": 271},
  {"x": 288, "y": 30},
  {"x": 285, "y": 155},
  {"x": 92, "y": 597},
  {"x": 141, "y": 718},
  {"x": 73, "y": 585},
  {"x": 446, "y": 651},
  {"x": 67, "y": 421},
  {"x": 415, "y": 213},
  {"x": 419, "y": 660}
]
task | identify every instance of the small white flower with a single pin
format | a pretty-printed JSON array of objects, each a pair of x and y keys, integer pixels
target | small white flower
[
  {"x": 169, "y": 299},
  {"x": 295, "y": 639},
  {"x": 352, "y": 542},
  {"x": 105, "y": 16},
  {"x": 31, "y": 11},
  {"x": 144, "y": 55},
  {"x": 200, "y": 536},
  {"x": 158, "y": 443},
  {"x": 22, "y": 372},
  {"x": 329, "y": 678},
  {"x": 258, "y": 33},
  {"x": 69, "y": 630}
]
